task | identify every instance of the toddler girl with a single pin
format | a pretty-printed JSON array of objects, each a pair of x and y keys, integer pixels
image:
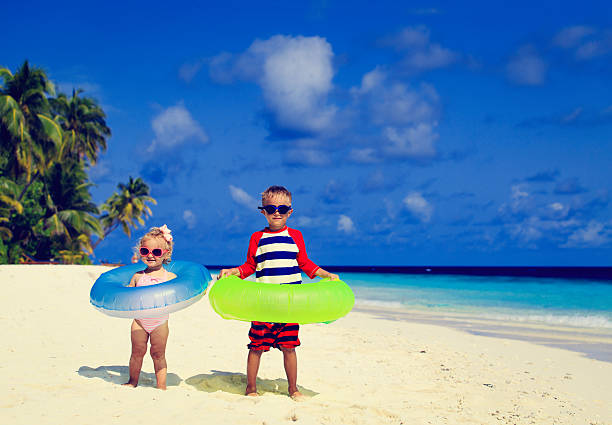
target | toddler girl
[{"x": 155, "y": 250}]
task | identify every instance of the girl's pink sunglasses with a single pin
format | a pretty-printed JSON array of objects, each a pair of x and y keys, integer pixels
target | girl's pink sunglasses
[{"x": 157, "y": 252}]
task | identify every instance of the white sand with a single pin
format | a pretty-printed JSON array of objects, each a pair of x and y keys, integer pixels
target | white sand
[{"x": 61, "y": 362}]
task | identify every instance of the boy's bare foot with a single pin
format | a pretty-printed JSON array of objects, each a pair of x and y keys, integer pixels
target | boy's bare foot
[
  {"x": 298, "y": 396},
  {"x": 129, "y": 384},
  {"x": 251, "y": 392}
]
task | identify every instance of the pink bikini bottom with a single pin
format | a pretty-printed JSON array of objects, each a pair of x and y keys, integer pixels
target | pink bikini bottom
[{"x": 149, "y": 324}]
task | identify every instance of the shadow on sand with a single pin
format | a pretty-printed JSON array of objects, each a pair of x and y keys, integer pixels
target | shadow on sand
[
  {"x": 120, "y": 375},
  {"x": 235, "y": 383}
]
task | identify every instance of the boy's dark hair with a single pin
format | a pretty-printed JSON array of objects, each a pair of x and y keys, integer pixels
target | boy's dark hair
[{"x": 275, "y": 190}]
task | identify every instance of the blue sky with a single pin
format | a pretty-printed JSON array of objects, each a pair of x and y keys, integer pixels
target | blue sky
[{"x": 410, "y": 133}]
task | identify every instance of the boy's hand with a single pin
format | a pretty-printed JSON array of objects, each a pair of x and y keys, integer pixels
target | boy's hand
[
  {"x": 229, "y": 272},
  {"x": 326, "y": 275}
]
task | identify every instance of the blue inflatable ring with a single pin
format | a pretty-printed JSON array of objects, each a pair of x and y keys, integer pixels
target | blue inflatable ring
[{"x": 111, "y": 295}]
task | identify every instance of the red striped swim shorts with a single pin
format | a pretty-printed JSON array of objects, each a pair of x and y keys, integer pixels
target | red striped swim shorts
[{"x": 264, "y": 335}]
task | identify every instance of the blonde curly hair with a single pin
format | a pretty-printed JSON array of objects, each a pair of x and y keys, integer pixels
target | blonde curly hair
[{"x": 158, "y": 233}]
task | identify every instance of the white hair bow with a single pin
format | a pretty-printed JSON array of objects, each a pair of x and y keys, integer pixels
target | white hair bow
[{"x": 166, "y": 233}]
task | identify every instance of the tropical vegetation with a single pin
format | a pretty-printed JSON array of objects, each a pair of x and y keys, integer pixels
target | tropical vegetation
[{"x": 48, "y": 143}]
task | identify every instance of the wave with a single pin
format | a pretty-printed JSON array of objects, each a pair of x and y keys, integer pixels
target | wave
[
  {"x": 574, "y": 320},
  {"x": 378, "y": 303}
]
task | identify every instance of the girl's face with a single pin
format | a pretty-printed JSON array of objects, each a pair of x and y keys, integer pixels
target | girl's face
[{"x": 153, "y": 244}]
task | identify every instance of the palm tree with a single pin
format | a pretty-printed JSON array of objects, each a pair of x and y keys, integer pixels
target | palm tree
[
  {"x": 70, "y": 210},
  {"x": 84, "y": 125},
  {"x": 9, "y": 192},
  {"x": 20, "y": 218},
  {"x": 126, "y": 207},
  {"x": 27, "y": 130}
]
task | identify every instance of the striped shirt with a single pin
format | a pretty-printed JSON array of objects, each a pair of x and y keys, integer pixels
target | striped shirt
[{"x": 277, "y": 257}]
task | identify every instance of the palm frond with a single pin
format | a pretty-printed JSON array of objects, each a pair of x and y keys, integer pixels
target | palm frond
[{"x": 52, "y": 129}]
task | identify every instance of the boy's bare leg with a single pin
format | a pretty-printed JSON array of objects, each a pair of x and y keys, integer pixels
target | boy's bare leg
[
  {"x": 159, "y": 338},
  {"x": 252, "y": 368},
  {"x": 139, "y": 339},
  {"x": 290, "y": 362}
]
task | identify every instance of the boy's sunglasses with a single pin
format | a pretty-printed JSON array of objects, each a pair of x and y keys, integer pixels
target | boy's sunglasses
[
  {"x": 271, "y": 209},
  {"x": 157, "y": 252}
]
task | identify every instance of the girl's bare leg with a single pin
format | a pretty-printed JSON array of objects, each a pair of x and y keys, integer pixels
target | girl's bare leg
[
  {"x": 252, "y": 368},
  {"x": 139, "y": 339},
  {"x": 159, "y": 338}
]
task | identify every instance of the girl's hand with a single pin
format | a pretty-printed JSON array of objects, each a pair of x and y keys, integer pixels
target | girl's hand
[{"x": 333, "y": 276}]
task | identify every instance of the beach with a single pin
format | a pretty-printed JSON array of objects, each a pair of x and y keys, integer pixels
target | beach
[{"x": 62, "y": 362}]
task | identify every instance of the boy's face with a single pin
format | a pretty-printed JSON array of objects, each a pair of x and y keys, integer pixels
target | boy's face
[{"x": 277, "y": 221}]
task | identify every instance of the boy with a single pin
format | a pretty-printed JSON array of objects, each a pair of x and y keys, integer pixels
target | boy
[{"x": 276, "y": 254}]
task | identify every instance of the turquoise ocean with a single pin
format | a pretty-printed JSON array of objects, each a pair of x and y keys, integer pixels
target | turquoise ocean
[{"x": 571, "y": 313}]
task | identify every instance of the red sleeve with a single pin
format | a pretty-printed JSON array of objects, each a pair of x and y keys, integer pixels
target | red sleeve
[
  {"x": 248, "y": 268},
  {"x": 304, "y": 262}
]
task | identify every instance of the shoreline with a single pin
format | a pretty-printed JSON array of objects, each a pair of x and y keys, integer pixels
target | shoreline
[
  {"x": 601, "y": 273},
  {"x": 594, "y": 343}
]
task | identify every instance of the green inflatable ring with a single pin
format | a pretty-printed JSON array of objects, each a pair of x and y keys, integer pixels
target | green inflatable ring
[{"x": 317, "y": 302}]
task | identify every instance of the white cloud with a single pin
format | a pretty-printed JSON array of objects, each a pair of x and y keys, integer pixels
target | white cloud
[
  {"x": 526, "y": 67},
  {"x": 295, "y": 75},
  {"x": 556, "y": 211},
  {"x": 377, "y": 181},
  {"x": 556, "y": 206},
  {"x": 413, "y": 142},
  {"x": 420, "y": 53},
  {"x": 572, "y": 116},
  {"x": 534, "y": 228},
  {"x": 594, "y": 48},
  {"x": 518, "y": 192},
  {"x": 572, "y": 36},
  {"x": 411, "y": 37},
  {"x": 221, "y": 68},
  {"x": 307, "y": 156},
  {"x": 527, "y": 231},
  {"x": 418, "y": 206},
  {"x": 435, "y": 56},
  {"x": 593, "y": 235},
  {"x": 345, "y": 224},
  {"x": 241, "y": 197},
  {"x": 371, "y": 81},
  {"x": 306, "y": 221},
  {"x": 520, "y": 204},
  {"x": 364, "y": 156},
  {"x": 190, "y": 219},
  {"x": 396, "y": 103},
  {"x": 407, "y": 118},
  {"x": 335, "y": 191},
  {"x": 174, "y": 126},
  {"x": 531, "y": 219},
  {"x": 586, "y": 43},
  {"x": 189, "y": 70}
]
